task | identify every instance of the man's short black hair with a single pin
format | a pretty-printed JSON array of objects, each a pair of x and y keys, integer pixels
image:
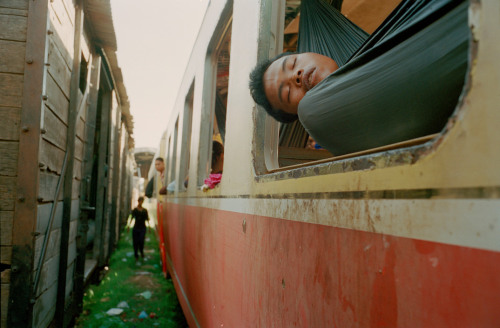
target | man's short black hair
[
  {"x": 258, "y": 92},
  {"x": 160, "y": 159}
]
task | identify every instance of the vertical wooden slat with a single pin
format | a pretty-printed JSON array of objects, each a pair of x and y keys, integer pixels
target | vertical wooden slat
[
  {"x": 20, "y": 309},
  {"x": 86, "y": 181},
  {"x": 102, "y": 180},
  {"x": 61, "y": 312},
  {"x": 123, "y": 180},
  {"x": 116, "y": 175}
]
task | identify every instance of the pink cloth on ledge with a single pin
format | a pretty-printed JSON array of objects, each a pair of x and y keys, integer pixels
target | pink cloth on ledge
[{"x": 213, "y": 180}]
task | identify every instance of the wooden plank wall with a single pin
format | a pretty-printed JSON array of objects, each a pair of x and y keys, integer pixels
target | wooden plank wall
[
  {"x": 52, "y": 151},
  {"x": 77, "y": 175},
  {"x": 13, "y": 27},
  {"x": 109, "y": 194},
  {"x": 123, "y": 211},
  {"x": 53, "y": 141},
  {"x": 127, "y": 181}
]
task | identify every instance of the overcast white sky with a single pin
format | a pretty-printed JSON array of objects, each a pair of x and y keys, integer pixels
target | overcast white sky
[{"x": 155, "y": 38}]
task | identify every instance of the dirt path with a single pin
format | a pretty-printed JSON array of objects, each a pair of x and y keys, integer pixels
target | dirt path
[{"x": 132, "y": 293}]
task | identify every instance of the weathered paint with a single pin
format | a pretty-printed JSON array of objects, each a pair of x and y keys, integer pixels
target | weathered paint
[
  {"x": 459, "y": 217},
  {"x": 240, "y": 270}
]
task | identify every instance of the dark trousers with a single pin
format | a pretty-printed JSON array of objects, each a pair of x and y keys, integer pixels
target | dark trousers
[{"x": 138, "y": 236}]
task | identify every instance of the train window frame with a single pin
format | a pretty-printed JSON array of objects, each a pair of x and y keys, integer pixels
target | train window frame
[
  {"x": 266, "y": 133},
  {"x": 208, "y": 114},
  {"x": 172, "y": 158},
  {"x": 163, "y": 153},
  {"x": 185, "y": 141},
  {"x": 168, "y": 147}
]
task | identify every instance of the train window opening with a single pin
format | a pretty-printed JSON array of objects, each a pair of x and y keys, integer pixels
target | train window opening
[
  {"x": 220, "y": 106},
  {"x": 296, "y": 147},
  {"x": 215, "y": 92},
  {"x": 290, "y": 145},
  {"x": 167, "y": 160},
  {"x": 187, "y": 124},
  {"x": 221, "y": 85},
  {"x": 172, "y": 160}
]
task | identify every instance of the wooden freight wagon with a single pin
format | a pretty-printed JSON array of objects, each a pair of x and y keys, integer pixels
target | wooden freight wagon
[{"x": 66, "y": 163}]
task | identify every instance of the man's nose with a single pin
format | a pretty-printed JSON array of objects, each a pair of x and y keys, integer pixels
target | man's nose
[{"x": 297, "y": 77}]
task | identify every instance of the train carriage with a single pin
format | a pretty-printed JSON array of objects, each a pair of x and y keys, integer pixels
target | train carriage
[
  {"x": 404, "y": 235},
  {"x": 66, "y": 166}
]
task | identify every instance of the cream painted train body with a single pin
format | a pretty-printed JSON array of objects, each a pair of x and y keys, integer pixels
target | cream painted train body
[{"x": 402, "y": 236}]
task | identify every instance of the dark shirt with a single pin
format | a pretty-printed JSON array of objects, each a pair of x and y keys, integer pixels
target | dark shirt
[{"x": 140, "y": 216}]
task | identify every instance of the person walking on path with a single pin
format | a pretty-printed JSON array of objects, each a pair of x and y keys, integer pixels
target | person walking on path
[{"x": 140, "y": 216}]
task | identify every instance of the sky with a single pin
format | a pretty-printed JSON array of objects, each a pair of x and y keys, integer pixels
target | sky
[{"x": 155, "y": 38}]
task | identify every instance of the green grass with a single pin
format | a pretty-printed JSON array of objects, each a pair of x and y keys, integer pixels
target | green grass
[{"x": 122, "y": 283}]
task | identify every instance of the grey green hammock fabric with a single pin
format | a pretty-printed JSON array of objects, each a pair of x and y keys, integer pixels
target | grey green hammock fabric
[
  {"x": 324, "y": 30},
  {"x": 402, "y": 83}
]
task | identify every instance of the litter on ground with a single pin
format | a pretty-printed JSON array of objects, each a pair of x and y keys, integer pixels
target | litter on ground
[
  {"x": 147, "y": 294},
  {"x": 114, "y": 311},
  {"x": 142, "y": 273}
]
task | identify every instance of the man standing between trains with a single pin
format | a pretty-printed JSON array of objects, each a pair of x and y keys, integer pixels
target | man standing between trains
[{"x": 160, "y": 168}]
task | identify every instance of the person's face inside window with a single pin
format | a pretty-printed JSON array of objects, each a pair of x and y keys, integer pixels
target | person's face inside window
[
  {"x": 219, "y": 164},
  {"x": 289, "y": 78},
  {"x": 159, "y": 166}
]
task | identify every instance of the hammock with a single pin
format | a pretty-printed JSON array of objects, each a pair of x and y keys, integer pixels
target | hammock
[
  {"x": 323, "y": 30},
  {"x": 402, "y": 83}
]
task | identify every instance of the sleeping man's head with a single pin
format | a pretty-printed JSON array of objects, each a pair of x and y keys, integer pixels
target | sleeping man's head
[{"x": 280, "y": 83}]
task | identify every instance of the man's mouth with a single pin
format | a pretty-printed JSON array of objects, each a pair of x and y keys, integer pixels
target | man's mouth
[{"x": 308, "y": 78}]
